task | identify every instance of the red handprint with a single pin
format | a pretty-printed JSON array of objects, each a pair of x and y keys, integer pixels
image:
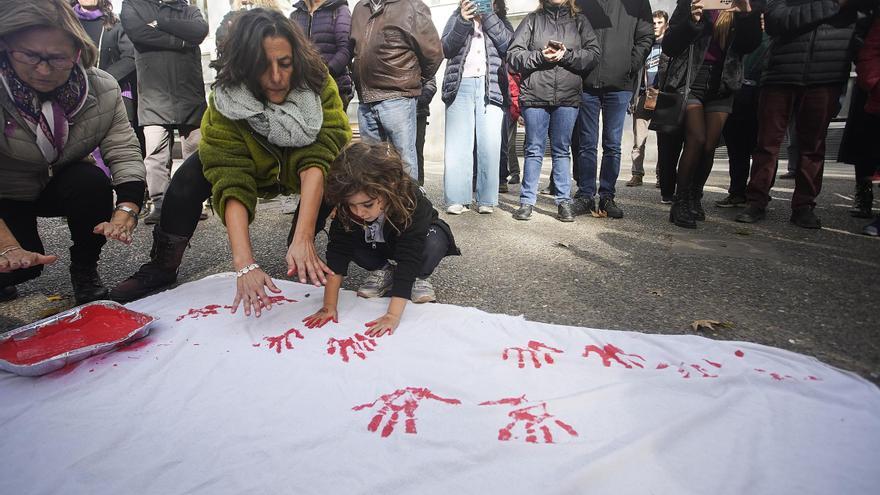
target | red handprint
[
  {"x": 391, "y": 403},
  {"x": 275, "y": 342},
  {"x": 281, "y": 300},
  {"x": 196, "y": 313},
  {"x": 610, "y": 352},
  {"x": 533, "y": 348},
  {"x": 358, "y": 344},
  {"x": 531, "y": 416}
]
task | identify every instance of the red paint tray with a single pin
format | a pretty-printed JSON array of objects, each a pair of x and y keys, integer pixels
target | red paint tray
[{"x": 73, "y": 335}]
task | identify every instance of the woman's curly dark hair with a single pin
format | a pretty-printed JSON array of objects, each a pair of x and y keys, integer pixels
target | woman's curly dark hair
[
  {"x": 377, "y": 171},
  {"x": 242, "y": 60}
]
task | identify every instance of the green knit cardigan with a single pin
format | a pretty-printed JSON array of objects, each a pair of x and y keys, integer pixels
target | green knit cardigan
[{"x": 241, "y": 164}]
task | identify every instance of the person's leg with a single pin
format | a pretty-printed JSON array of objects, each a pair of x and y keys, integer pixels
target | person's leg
[
  {"x": 512, "y": 158},
  {"x": 817, "y": 107},
  {"x": 397, "y": 117},
  {"x": 640, "y": 138},
  {"x": 437, "y": 244},
  {"x": 421, "y": 127},
  {"x": 775, "y": 105},
  {"x": 740, "y": 135},
  {"x": 614, "y": 105},
  {"x": 20, "y": 218},
  {"x": 189, "y": 143},
  {"x": 381, "y": 276},
  {"x": 562, "y": 121},
  {"x": 793, "y": 149},
  {"x": 458, "y": 147},
  {"x": 503, "y": 171},
  {"x": 488, "y": 126},
  {"x": 668, "y": 153},
  {"x": 180, "y": 217},
  {"x": 368, "y": 123},
  {"x": 694, "y": 143},
  {"x": 537, "y": 123},
  {"x": 159, "y": 140},
  {"x": 714, "y": 124},
  {"x": 588, "y": 123}
]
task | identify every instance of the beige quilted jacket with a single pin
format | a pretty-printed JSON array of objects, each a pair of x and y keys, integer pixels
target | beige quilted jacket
[{"x": 101, "y": 122}]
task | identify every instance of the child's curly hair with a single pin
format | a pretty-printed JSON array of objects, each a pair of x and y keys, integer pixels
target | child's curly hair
[{"x": 377, "y": 171}]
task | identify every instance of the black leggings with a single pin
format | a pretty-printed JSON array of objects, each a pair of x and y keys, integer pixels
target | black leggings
[
  {"x": 437, "y": 244},
  {"x": 79, "y": 191},
  {"x": 189, "y": 188}
]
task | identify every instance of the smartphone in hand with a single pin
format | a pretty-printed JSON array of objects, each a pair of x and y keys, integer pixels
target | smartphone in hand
[
  {"x": 556, "y": 45},
  {"x": 717, "y": 4}
]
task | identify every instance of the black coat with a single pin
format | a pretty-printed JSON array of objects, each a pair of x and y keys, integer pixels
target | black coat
[
  {"x": 545, "y": 84},
  {"x": 171, "y": 90},
  {"x": 115, "y": 56},
  {"x": 406, "y": 248},
  {"x": 811, "y": 42},
  {"x": 683, "y": 32},
  {"x": 625, "y": 29}
]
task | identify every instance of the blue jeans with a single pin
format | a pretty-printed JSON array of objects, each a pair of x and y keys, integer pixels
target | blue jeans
[
  {"x": 613, "y": 106},
  {"x": 392, "y": 120},
  {"x": 559, "y": 121},
  {"x": 469, "y": 115}
]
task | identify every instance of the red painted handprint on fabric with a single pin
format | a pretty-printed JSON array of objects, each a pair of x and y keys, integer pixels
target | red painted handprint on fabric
[
  {"x": 209, "y": 310},
  {"x": 532, "y": 349},
  {"x": 277, "y": 341},
  {"x": 356, "y": 344},
  {"x": 529, "y": 420},
  {"x": 405, "y": 400},
  {"x": 610, "y": 353}
]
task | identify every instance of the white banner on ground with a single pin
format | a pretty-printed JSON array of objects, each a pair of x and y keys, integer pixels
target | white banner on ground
[{"x": 456, "y": 401}]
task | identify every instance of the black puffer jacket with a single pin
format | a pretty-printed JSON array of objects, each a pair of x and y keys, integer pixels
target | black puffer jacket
[
  {"x": 811, "y": 42},
  {"x": 456, "y": 41},
  {"x": 545, "y": 84},
  {"x": 329, "y": 28},
  {"x": 625, "y": 31},
  {"x": 744, "y": 37},
  {"x": 166, "y": 36}
]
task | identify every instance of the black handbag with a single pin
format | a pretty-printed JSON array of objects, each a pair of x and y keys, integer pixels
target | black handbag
[{"x": 670, "y": 106}]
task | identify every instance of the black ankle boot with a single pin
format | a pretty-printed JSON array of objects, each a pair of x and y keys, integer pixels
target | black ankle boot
[
  {"x": 696, "y": 206},
  {"x": 87, "y": 284},
  {"x": 680, "y": 214},
  {"x": 863, "y": 199},
  {"x": 165, "y": 257}
]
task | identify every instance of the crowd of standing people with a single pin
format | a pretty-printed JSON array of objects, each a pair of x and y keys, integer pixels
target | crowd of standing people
[{"x": 92, "y": 101}]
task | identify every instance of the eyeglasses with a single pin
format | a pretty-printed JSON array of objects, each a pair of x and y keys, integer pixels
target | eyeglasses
[{"x": 31, "y": 58}]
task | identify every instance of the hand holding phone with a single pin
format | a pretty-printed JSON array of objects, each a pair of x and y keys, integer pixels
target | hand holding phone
[{"x": 556, "y": 45}]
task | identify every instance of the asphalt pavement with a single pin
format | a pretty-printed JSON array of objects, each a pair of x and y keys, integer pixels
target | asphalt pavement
[{"x": 808, "y": 291}]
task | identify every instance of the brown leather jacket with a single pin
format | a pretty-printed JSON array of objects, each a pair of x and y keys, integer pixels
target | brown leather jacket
[{"x": 395, "y": 48}]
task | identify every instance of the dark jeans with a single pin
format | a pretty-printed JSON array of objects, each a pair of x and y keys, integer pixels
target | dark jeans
[
  {"x": 436, "y": 246},
  {"x": 612, "y": 105},
  {"x": 509, "y": 163},
  {"x": 815, "y": 106},
  {"x": 79, "y": 191},
  {"x": 741, "y": 136},
  {"x": 421, "y": 125},
  {"x": 668, "y": 153},
  {"x": 189, "y": 189}
]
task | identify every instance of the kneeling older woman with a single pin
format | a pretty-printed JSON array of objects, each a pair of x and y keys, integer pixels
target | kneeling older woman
[
  {"x": 273, "y": 126},
  {"x": 56, "y": 109}
]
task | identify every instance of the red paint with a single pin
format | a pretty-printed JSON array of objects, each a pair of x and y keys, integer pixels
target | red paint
[
  {"x": 66, "y": 370},
  {"x": 532, "y": 350},
  {"x": 358, "y": 344},
  {"x": 196, "y": 313},
  {"x": 759, "y": 370},
  {"x": 662, "y": 366},
  {"x": 255, "y": 345},
  {"x": 391, "y": 403},
  {"x": 814, "y": 379},
  {"x": 91, "y": 326},
  {"x": 284, "y": 338},
  {"x": 777, "y": 376},
  {"x": 717, "y": 365},
  {"x": 610, "y": 352},
  {"x": 134, "y": 346},
  {"x": 739, "y": 353},
  {"x": 530, "y": 420},
  {"x": 703, "y": 371}
]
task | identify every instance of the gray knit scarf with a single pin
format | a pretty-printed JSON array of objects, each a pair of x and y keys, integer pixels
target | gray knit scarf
[{"x": 295, "y": 123}]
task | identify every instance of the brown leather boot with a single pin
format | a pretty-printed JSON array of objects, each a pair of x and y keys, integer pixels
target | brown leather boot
[{"x": 159, "y": 272}]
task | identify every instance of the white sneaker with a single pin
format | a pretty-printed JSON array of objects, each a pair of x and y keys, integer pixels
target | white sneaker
[
  {"x": 456, "y": 209},
  {"x": 378, "y": 283},
  {"x": 422, "y": 291},
  {"x": 485, "y": 210}
]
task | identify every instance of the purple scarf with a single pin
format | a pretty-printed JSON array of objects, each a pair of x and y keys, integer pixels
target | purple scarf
[
  {"x": 87, "y": 15},
  {"x": 49, "y": 119}
]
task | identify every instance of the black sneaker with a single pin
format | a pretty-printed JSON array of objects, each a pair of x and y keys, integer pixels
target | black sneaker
[
  {"x": 804, "y": 217},
  {"x": 514, "y": 179},
  {"x": 666, "y": 200},
  {"x": 564, "y": 212},
  {"x": 751, "y": 214},
  {"x": 524, "y": 212},
  {"x": 608, "y": 208},
  {"x": 731, "y": 201},
  {"x": 681, "y": 214},
  {"x": 582, "y": 206},
  {"x": 503, "y": 187}
]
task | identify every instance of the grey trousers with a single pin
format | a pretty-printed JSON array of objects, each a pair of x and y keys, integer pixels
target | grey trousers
[{"x": 159, "y": 145}]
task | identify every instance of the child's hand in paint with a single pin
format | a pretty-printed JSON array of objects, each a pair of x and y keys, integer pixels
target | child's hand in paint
[
  {"x": 386, "y": 323},
  {"x": 321, "y": 318}
]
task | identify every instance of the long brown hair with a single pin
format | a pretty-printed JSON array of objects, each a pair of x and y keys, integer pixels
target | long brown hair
[
  {"x": 18, "y": 15},
  {"x": 241, "y": 59},
  {"x": 721, "y": 28},
  {"x": 106, "y": 8},
  {"x": 377, "y": 171}
]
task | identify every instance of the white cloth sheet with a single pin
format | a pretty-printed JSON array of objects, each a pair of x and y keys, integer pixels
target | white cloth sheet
[{"x": 456, "y": 401}]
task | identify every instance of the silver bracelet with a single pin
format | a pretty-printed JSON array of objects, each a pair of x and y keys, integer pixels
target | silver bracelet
[{"x": 251, "y": 267}]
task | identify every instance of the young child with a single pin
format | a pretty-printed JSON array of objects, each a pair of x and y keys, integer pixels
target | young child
[{"x": 381, "y": 216}]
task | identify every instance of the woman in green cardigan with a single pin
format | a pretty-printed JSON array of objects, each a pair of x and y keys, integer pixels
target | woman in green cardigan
[{"x": 273, "y": 126}]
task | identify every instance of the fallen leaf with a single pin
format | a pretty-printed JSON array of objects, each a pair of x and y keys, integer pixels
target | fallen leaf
[
  {"x": 561, "y": 244},
  {"x": 710, "y": 325},
  {"x": 53, "y": 298}
]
